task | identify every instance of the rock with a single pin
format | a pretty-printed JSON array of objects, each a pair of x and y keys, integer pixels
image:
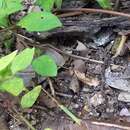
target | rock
[
  {"x": 117, "y": 80},
  {"x": 124, "y": 97},
  {"x": 97, "y": 100},
  {"x": 124, "y": 112}
]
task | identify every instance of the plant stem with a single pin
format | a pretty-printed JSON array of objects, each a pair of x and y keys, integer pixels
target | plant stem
[
  {"x": 24, "y": 119},
  {"x": 27, "y": 122}
]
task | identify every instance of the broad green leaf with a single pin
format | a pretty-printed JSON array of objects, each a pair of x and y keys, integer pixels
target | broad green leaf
[
  {"x": 22, "y": 60},
  {"x": 13, "y": 86},
  {"x": 58, "y": 3},
  {"x": 45, "y": 66},
  {"x": 5, "y": 73},
  {"x": 3, "y": 21},
  {"x": 6, "y": 60},
  {"x": 47, "y": 5},
  {"x": 73, "y": 117},
  {"x": 10, "y": 6},
  {"x": 30, "y": 98},
  {"x": 40, "y": 21},
  {"x": 106, "y": 4}
]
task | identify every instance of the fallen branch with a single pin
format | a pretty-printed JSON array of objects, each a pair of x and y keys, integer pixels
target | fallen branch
[{"x": 91, "y": 10}]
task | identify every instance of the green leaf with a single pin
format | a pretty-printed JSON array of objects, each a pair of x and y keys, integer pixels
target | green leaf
[
  {"x": 73, "y": 117},
  {"x": 45, "y": 66},
  {"x": 45, "y": 21},
  {"x": 6, "y": 60},
  {"x": 5, "y": 73},
  {"x": 106, "y": 4},
  {"x": 4, "y": 21},
  {"x": 13, "y": 86},
  {"x": 22, "y": 60},
  {"x": 10, "y": 6},
  {"x": 47, "y": 5},
  {"x": 29, "y": 99},
  {"x": 58, "y": 3},
  {"x": 47, "y": 129}
]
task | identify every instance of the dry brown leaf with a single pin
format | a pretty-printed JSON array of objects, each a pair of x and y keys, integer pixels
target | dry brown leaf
[{"x": 91, "y": 81}]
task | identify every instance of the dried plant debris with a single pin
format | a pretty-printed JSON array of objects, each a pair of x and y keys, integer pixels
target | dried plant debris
[
  {"x": 81, "y": 46},
  {"x": 79, "y": 65},
  {"x": 86, "y": 79},
  {"x": 74, "y": 85}
]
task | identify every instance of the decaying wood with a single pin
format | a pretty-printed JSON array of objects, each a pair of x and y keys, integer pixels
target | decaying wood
[{"x": 78, "y": 27}]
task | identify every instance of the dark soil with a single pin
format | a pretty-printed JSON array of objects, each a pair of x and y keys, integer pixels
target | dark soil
[{"x": 96, "y": 97}]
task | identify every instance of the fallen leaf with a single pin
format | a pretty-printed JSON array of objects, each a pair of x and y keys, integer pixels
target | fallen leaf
[
  {"x": 80, "y": 46},
  {"x": 74, "y": 84},
  {"x": 91, "y": 81},
  {"x": 58, "y": 58},
  {"x": 79, "y": 65}
]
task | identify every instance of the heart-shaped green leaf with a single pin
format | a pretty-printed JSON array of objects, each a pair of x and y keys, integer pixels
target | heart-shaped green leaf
[
  {"x": 47, "y": 5},
  {"x": 58, "y": 3},
  {"x": 13, "y": 86},
  {"x": 22, "y": 60},
  {"x": 106, "y": 4},
  {"x": 30, "y": 98},
  {"x": 10, "y": 6},
  {"x": 39, "y": 21},
  {"x": 4, "y": 21},
  {"x": 45, "y": 66},
  {"x": 6, "y": 60}
]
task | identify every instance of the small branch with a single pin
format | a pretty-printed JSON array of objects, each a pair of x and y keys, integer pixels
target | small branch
[
  {"x": 91, "y": 10},
  {"x": 70, "y": 14},
  {"x": 41, "y": 46},
  {"x": 24, "y": 119},
  {"x": 27, "y": 122},
  {"x": 51, "y": 87},
  {"x": 111, "y": 125}
]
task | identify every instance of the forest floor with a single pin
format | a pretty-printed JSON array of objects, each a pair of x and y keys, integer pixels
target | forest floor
[{"x": 92, "y": 50}]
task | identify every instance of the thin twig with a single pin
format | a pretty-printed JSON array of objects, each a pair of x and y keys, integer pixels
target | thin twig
[
  {"x": 70, "y": 14},
  {"x": 24, "y": 119},
  {"x": 41, "y": 46},
  {"x": 63, "y": 95},
  {"x": 51, "y": 87},
  {"x": 37, "y": 44},
  {"x": 111, "y": 125},
  {"x": 91, "y": 10},
  {"x": 53, "y": 99}
]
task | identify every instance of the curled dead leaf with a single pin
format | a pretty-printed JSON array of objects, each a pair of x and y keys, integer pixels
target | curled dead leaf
[{"x": 91, "y": 81}]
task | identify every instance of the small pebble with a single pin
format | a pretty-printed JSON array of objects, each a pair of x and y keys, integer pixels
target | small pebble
[{"x": 97, "y": 99}]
